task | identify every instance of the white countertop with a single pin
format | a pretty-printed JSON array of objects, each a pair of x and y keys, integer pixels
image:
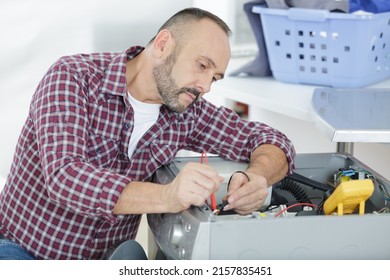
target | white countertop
[{"x": 292, "y": 100}]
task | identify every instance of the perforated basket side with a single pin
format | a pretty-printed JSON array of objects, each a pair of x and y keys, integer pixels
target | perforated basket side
[{"x": 322, "y": 48}]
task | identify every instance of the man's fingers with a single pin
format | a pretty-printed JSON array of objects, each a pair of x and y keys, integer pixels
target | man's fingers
[{"x": 194, "y": 184}]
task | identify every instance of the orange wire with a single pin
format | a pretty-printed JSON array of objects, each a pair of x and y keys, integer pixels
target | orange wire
[
  {"x": 213, "y": 202},
  {"x": 204, "y": 157}
]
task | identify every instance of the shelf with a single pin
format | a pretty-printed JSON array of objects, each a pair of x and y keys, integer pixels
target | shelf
[
  {"x": 353, "y": 115},
  {"x": 295, "y": 100}
]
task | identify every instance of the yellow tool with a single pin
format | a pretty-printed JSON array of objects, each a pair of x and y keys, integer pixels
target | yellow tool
[{"x": 348, "y": 196}]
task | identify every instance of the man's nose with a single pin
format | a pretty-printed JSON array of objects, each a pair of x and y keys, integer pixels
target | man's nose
[{"x": 204, "y": 84}]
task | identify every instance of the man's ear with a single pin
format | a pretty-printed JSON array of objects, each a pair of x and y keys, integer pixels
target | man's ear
[{"x": 162, "y": 43}]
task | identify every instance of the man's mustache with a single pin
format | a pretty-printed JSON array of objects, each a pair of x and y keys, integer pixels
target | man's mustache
[{"x": 193, "y": 91}]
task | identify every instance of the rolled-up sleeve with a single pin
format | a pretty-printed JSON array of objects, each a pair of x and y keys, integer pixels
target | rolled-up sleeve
[{"x": 222, "y": 131}]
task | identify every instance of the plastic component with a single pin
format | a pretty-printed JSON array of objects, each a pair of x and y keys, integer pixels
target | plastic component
[{"x": 348, "y": 196}]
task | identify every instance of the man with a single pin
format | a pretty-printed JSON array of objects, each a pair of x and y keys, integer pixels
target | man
[{"x": 99, "y": 125}]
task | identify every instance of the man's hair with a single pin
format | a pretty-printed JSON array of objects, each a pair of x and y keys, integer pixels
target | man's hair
[{"x": 180, "y": 23}]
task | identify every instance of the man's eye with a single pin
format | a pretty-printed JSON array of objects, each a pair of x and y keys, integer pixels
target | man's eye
[{"x": 202, "y": 66}]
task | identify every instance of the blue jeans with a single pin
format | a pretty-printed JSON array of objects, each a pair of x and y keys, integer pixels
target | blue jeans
[{"x": 9, "y": 250}]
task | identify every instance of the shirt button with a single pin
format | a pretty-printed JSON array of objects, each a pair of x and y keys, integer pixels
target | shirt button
[
  {"x": 123, "y": 156},
  {"x": 127, "y": 125}
]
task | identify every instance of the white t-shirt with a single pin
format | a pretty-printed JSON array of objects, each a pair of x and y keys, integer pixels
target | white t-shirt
[{"x": 145, "y": 115}]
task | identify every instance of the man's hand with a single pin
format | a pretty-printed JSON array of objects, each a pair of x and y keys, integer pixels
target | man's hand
[
  {"x": 192, "y": 186},
  {"x": 196, "y": 182},
  {"x": 246, "y": 196},
  {"x": 268, "y": 165}
]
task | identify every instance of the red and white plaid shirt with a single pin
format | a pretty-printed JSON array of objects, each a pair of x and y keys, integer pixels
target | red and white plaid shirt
[{"x": 71, "y": 162}]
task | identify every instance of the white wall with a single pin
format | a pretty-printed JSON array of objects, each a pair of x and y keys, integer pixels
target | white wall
[{"x": 35, "y": 33}]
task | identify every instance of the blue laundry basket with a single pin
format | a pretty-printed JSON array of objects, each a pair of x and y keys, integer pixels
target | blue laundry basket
[{"x": 330, "y": 49}]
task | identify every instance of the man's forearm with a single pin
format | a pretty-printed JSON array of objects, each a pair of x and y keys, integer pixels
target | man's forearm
[
  {"x": 270, "y": 162},
  {"x": 140, "y": 198},
  {"x": 192, "y": 186}
]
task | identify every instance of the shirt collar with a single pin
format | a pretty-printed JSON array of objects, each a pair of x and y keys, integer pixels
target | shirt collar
[{"x": 114, "y": 80}]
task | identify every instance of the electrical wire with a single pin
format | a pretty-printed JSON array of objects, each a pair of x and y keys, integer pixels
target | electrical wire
[
  {"x": 384, "y": 210},
  {"x": 294, "y": 205},
  {"x": 220, "y": 207},
  {"x": 308, "y": 182},
  {"x": 352, "y": 172},
  {"x": 385, "y": 193}
]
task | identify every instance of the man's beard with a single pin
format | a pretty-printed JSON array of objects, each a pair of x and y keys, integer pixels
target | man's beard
[{"x": 167, "y": 87}]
